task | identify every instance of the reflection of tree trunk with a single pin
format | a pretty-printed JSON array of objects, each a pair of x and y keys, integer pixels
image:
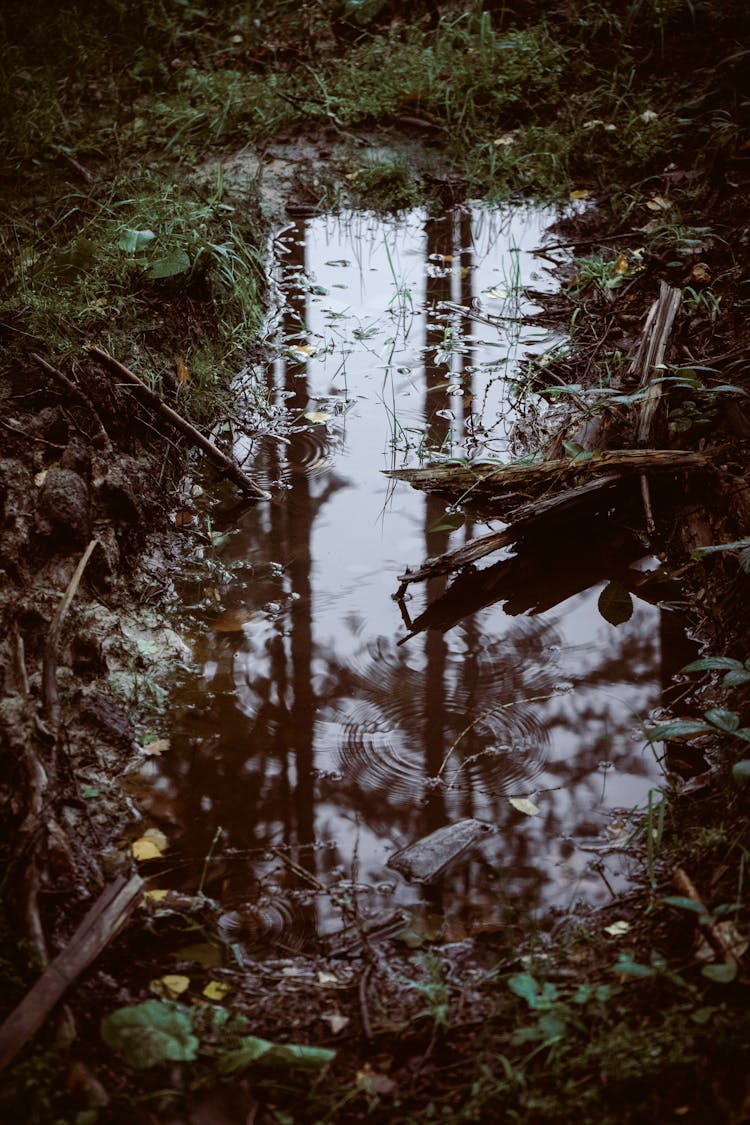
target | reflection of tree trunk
[{"x": 299, "y": 512}]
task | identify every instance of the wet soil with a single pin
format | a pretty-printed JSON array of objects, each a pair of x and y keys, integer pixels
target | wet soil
[{"x": 73, "y": 472}]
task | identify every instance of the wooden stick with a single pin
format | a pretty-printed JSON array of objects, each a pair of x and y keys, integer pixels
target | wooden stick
[
  {"x": 101, "y": 439},
  {"x": 49, "y": 660},
  {"x": 229, "y": 467},
  {"x": 103, "y": 921},
  {"x": 648, "y": 363},
  {"x": 685, "y": 885}
]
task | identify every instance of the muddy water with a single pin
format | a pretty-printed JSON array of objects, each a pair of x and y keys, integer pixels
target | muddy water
[{"x": 320, "y": 730}]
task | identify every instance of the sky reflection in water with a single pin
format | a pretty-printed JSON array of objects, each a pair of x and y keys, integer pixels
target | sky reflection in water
[{"x": 311, "y": 730}]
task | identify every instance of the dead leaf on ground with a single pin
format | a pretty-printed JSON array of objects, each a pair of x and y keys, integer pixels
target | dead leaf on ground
[
  {"x": 622, "y": 265},
  {"x": 216, "y": 990},
  {"x": 580, "y": 193},
  {"x": 183, "y": 374},
  {"x": 305, "y": 350},
  {"x": 157, "y": 747},
  {"x": 151, "y": 845},
  {"x": 232, "y": 620},
  {"x": 335, "y": 1021},
  {"x": 317, "y": 417},
  {"x": 617, "y": 929},
  {"x": 373, "y": 1082},
  {"x": 170, "y": 986}
]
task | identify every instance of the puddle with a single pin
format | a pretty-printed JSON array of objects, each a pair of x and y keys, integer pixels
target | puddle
[{"x": 316, "y": 737}]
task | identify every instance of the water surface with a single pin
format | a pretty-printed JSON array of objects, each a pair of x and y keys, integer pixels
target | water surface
[{"x": 315, "y": 737}]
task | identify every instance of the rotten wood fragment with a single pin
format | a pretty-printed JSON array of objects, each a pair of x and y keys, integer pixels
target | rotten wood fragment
[
  {"x": 229, "y": 467},
  {"x": 647, "y": 366},
  {"x": 490, "y": 482},
  {"x": 101, "y": 924},
  {"x": 425, "y": 860}
]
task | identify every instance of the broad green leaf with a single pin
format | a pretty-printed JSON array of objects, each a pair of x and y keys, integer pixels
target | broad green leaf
[
  {"x": 451, "y": 521},
  {"x": 741, "y": 772},
  {"x": 171, "y": 266},
  {"x": 134, "y": 241},
  {"x": 720, "y": 974},
  {"x": 626, "y": 965},
  {"x": 684, "y": 903},
  {"x": 678, "y": 728},
  {"x": 151, "y": 1033},
  {"x": 615, "y": 603},
  {"x": 256, "y": 1050},
  {"x": 713, "y": 663},
  {"x": 732, "y": 679},
  {"x": 552, "y": 1026},
  {"x": 727, "y": 721},
  {"x": 524, "y": 985}
]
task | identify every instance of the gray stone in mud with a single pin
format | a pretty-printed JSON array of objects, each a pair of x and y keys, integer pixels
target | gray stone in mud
[
  {"x": 64, "y": 505},
  {"x": 427, "y": 859}
]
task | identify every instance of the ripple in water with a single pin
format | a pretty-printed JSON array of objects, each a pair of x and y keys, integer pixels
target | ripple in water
[{"x": 485, "y": 731}]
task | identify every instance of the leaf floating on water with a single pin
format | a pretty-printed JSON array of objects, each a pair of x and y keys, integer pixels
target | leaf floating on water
[
  {"x": 317, "y": 417},
  {"x": 615, "y": 603},
  {"x": 523, "y": 805},
  {"x": 151, "y": 1033},
  {"x": 427, "y": 859},
  {"x": 216, "y": 990},
  {"x": 232, "y": 620},
  {"x": 302, "y": 349},
  {"x": 171, "y": 986},
  {"x": 451, "y": 521}
]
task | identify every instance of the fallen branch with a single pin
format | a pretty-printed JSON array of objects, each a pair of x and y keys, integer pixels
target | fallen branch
[
  {"x": 521, "y": 519},
  {"x": 103, "y": 921},
  {"x": 491, "y": 482},
  {"x": 52, "y": 644},
  {"x": 229, "y": 467},
  {"x": 101, "y": 438},
  {"x": 685, "y": 885}
]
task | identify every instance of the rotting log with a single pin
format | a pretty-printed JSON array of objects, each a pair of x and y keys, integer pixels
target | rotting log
[
  {"x": 494, "y": 482},
  {"x": 229, "y": 467},
  {"x": 100, "y": 925}
]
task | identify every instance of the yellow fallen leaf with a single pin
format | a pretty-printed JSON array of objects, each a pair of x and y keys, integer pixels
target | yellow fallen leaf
[
  {"x": 39, "y": 478},
  {"x": 302, "y": 349},
  {"x": 505, "y": 140},
  {"x": 524, "y": 805},
  {"x": 622, "y": 265},
  {"x": 158, "y": 894},
  {"x": 658, "y": 203},
  {"x": 581, "y": 193},
  {"x": 152, "y": 844},
  {"x": 316, "y": 416},
  {"x": 145, "y": 849},
  {"x": 171, "y": 986},
  {"x": 216, "y": 990}
]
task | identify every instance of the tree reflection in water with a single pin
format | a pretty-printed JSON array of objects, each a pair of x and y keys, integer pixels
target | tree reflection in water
[{"x": 312, "y": 736}]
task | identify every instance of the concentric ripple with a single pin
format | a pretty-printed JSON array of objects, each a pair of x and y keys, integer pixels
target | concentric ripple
[{"x": 406, "y": 730}]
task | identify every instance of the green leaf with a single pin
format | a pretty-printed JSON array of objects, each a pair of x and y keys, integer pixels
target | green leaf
[
  {"x": 151, "y": 1033},
  {"x": 174, "y": 264},
  {"x": 738, "y": 544},
  {"x": 451, "y": 521},
  {"x": 524, "y": 985},
  {"x": 741, "y": 772},
  {"x": 678, "y": 728},
  {"x": 552, "y": 1026},
  {"x": 289, "y": 1055},
  {"x": 615, "y": 603},
  {"x": 713, "y": 663},
  {"x": 134, "y": 241},
  {"x": 727, "y": 721},
  {"x": 682, "y": 902},
  {"x": 732, "y": 679},
  {"x": 626, "y": 965},
  {"x": 720, "y": 974}
]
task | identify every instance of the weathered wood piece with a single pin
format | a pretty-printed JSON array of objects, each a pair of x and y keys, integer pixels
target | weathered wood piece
[
  {"x": 647, "y": 366},
  {"x": 229, "y": 467},
  {"x": 425, "y": 860},
  {"x": 102, "y": 923},
  {"x": 463, "y": 482}
]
